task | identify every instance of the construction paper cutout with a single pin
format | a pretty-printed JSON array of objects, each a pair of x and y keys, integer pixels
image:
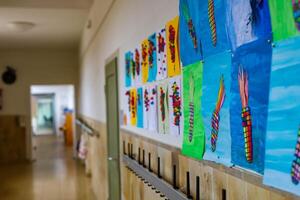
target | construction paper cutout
[
  {"x": 282, "y": 140},
  {"x": 254, "y": 59},
  {"x": 194, "y": 136},
  {"x": 150, "y": 108},
  {"x": 216, "y": 107},
  {"x": 173, "y": 59},
  {"x": 128, "y": 69},
  {"x": 175, "y": 105},
  {"x": 283, "y": 20},
  {"x": 133, "y": 107},
  {"x": 161, "y": 55},
  {"x": 152, "y": 58},
  {"x": 140, "y": 108},
  {"x": 190, "y": 38},
  {"x": 248, "y": 21},
  {"x": 163, "y": 108},
  {"x": 145, "y": 61},
  {"x": 138, "y": 67}
]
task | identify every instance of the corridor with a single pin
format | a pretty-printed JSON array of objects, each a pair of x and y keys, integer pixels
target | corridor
[{"x": 54, "y": 175}]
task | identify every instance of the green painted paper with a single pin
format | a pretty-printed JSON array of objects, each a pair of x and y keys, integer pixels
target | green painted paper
[
  {"x": 283, "y": 24},
  {"x": 194, "y": 136}
]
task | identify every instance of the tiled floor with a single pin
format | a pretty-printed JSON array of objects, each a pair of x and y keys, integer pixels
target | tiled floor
[{"x": 54, "y": 176}]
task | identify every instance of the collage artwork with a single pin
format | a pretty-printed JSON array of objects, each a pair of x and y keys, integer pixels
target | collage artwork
[{"x": 223, "y": 77}]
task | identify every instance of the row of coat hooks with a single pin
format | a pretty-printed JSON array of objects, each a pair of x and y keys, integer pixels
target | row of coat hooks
[
  {"x": 86, "y": 128},
  {"x": 141, "y": 161}
]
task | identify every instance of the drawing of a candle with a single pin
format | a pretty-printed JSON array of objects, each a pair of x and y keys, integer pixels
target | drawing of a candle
[
  {"x": 191, "y": 107},
  {"x": 295, "y": 173},
  {"x": 212, "y": 21},
  {"x": 215, "y": 116},
  {"x": 189, "y": 21},
  {"x": 246, "y": 114}
]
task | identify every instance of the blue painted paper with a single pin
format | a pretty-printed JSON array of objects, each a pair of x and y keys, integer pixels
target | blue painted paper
[
  {"x": 189, "y": 10},
  {"x": 284, "y": 115},
  {"x": 140, "y": 108},
  {"x": 248, "y": 21},
  {"x": 255, "y": 58},
  {"x": 128, "y": 68},
  {"x": 214, "y": 68},
  {"x": 152, "y": 58}
]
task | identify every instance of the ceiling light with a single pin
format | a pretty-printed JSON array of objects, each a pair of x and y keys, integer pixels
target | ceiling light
[{"x": 20, "y": 26}]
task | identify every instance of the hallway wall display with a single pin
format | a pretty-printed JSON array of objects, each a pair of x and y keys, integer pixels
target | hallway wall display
[
  {"x": 285, "y": 18},
  {"x": 216, "y": 107},
  {"x": 150, "y": 108},
  {"x": 282, "y": 162},
  {"x": 163, "y": 108},
  {"x": 128, "y": 68},
  {"x": 145, "y": 61},
  {"x": 161, "y": 42},
  {"x": 175, "y": 106},
  {"x": 173, "y": 60},
  {"x": 249, "y": 103},
  {"x": 133, "y": 107},
  {"x": 140, "y": 109},
  {"x": 152, "y": 58},
  {"x": 249, "y": 20},
  {"x": 194, "y": 136}
]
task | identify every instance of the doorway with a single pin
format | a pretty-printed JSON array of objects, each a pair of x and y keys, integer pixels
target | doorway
[{"x": 112, "y": 116}]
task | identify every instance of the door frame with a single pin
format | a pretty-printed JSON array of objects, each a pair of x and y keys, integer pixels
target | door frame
[{"x": 113, "y": 58}]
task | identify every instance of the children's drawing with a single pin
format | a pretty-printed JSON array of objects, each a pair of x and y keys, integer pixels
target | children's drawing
[
  {"x": 128, "y": 69},
  {"x": 137, "y": 63},
  {"x": 175, "y": 104},
  {"x": 152, "y": 59},
  {"x": 296, "y": 9},
  {"x": 150, "y": 108},
  {"x": 212, "y": 22},
  {"x": 173, "y": 61},
  {"x": 140, "y": 120},
  {"x": 133, "y": 107},
  {"x": 145, "y": 61},
  {"x": 161, "y": 55},
  {"x": 163, "y": 108},
  {"x": 295, "y": 172},
  {"x": 127, "y": 108},
  {"x": 194, "y": 136}
]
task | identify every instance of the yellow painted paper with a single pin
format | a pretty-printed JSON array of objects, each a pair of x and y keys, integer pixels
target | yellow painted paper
[
  {"x": 133, "y": 107},
  {"x": 145, "y": 61},
  {"x": 173, "y": 60}
]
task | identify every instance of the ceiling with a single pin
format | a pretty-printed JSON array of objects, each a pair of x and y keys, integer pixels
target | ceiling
[{"x": 59, "y": 23}]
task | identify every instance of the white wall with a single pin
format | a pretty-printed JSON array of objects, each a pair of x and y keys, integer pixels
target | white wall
[
  {"x": 126, "y": 25},
  {"x": 64, "y": 98}
]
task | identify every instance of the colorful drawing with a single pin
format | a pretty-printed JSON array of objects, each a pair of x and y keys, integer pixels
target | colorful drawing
[
  {"x": 152, "y": 60},
  {"x": 296, "y": 9},
  {"x": 173, "y": 61},
  {"x": 163, "y": 108},
  {"x": 128, "y": 69},
  {"x": 295, "y": 172},
  {"x": 250, "y": 90},
  {"x": 194, "y": 136},
  {"x": 283, "y": 17},
  {"x": 215, "y": 119},
  {"x": 137, "y": 63},
  {"x": 127, "y": 110},
  {"x": 140, "y": 120},
  {"x": 248, "y": 21},
  {"x": 246, "y": 114},
  {"x": 212, "y": 22},
  {"x": 161, "y": 55},
  {"x": 175, "y": 106},
  {"x": 133, "y": 107},
  {"x": 215, "y": 102},
  {"x": 282, "y": 139},
  {"x": 145, "y": 61}
]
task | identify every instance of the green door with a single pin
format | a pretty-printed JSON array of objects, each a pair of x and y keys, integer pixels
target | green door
[{"x": 112, "y": 123}]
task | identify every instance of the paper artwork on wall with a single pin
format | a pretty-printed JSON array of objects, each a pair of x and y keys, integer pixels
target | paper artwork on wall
[
  {"x": 140, "y": 103},
  {"x": 150, "y": 108},
  {"x": 249, "y": 103},
  {"x": 133, "y": 107},
  {"x": 190, "y": 38},
  {"x": 152, "y": 58},
  {"x": 216, "y": 107},
  {"x": 175, "y": 105},
  {"x": 137, "y": 66},
  {"x": 128, "y": 68},
  {"x": 173, "y": 60},
  {"x": 285, "y": 17},
  {"x": 161, "y": 55},
  {"x": 145, "y": 61},
  {"x": 127, "y": 110},
  {"x": 248, "y": 21},
  {"x": 163, "y": 108},
  {"x": 194, "y": 136},
  {"x": 282, "y": 169}
]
